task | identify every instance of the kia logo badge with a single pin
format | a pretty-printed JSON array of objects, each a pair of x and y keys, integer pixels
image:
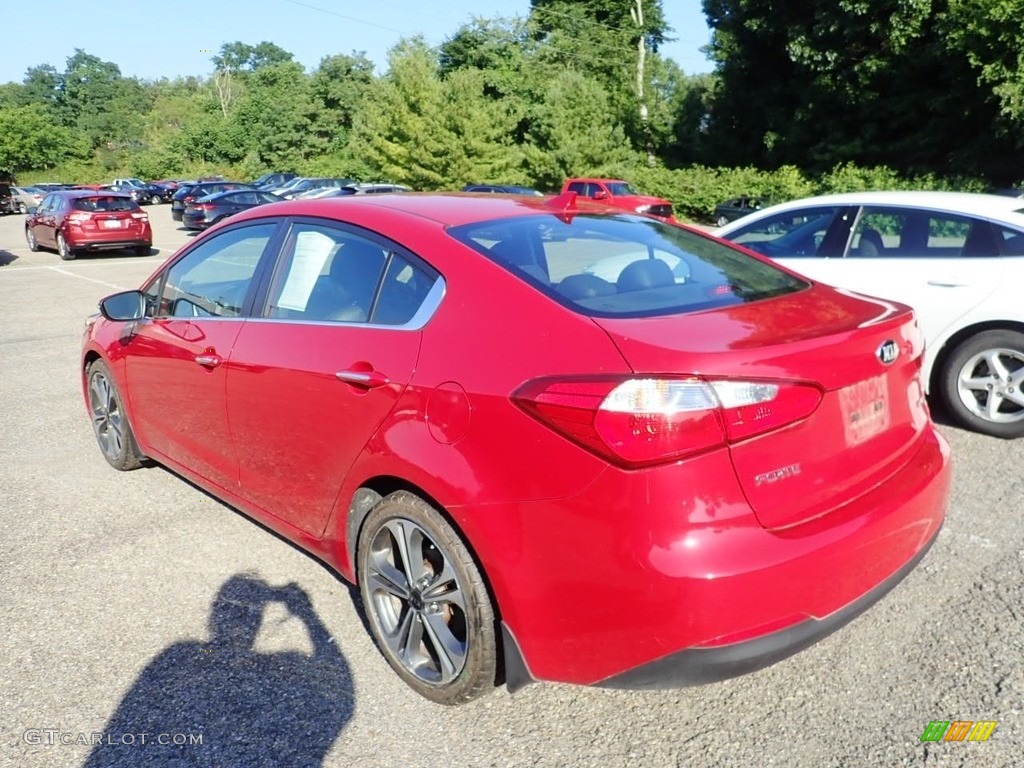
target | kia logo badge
[{"x": 888, "y": 352}]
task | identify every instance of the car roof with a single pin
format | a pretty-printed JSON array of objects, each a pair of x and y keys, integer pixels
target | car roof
[
  {"x": 1008, "y": 209},
  {"x": 76, "y": 193},
  {"x": 243, "y": 184},
  {"x": 225, "y": 192},
  {"x": 449, "y": 209}
]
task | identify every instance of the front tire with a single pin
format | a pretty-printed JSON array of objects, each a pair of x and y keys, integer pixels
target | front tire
[
  {"x": 428, "y": 607},
  {"x": 22, "y": 208},
  {"x": 109, "y": 421},
  {"x": 63, "y": 250},
  {"x": 155, "y": 200},
  {"x": 982, "y": 383},
  {"x": 30, "y": 236},
  {"x": 722, "y": 221}
]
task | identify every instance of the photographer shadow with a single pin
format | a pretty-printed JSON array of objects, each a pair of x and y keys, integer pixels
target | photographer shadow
[{"x": 225, "y": 703}]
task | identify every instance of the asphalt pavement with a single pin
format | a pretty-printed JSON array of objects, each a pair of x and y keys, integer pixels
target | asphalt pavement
[{"x": 124, "y": 599}]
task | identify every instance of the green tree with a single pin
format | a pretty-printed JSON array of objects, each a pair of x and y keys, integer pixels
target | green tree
[
  {"x": 275, "y": 117},
  {"x": 44, "y": 85},
  {"x": 242, "y": 57},
  {"x": 480, "y": 133},
  {"x": 236, "y": 61},
  {"x": 571, "y": 133},
  {"x": 496, "y": 47},
  {"x": 105, "y": 106},
  {"x": 31, "y": 139},
  {"x": 876, "y": 83},
  {"x": 615, "y": 42},
  {"x": 418, "y": 129},
  {"x": 989, "y": 34},
  {"x": 337, "y": 89}
]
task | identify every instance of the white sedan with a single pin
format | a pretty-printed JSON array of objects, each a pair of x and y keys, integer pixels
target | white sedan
[{"x": 956, "y": 258}]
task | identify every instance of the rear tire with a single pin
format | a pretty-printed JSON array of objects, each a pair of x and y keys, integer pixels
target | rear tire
[
  {"x": 426, "y": 601},
  {"x": 22, "y": 208},
  {"x": 143, "y": 250},
  {"x": 982, "y": 382},
  {"x": 63, "y": 250},
  {"x": 109, "y": 421}
]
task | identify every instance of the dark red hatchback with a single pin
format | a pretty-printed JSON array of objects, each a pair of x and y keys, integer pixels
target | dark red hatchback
[
  {"x": 549, "y": 440},
  {"x": 72, "y": 221}
]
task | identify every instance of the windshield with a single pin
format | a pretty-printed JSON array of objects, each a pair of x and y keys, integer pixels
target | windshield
[{"x": 625, "y": 266}]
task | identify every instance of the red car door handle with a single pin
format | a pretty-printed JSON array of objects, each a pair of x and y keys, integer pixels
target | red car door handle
[
  {"x": 209, "y": 360},
  {"x": 368, "y": 379}
]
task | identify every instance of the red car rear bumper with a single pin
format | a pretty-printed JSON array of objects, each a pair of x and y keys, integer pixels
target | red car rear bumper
[
  {"x": 691, "y": 588},
  {"x": 102, "y": 240}
]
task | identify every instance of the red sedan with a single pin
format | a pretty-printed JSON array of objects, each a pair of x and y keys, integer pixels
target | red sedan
[
  {"x": 72, "y": 221},
  {"x": 548, "y": 439}
]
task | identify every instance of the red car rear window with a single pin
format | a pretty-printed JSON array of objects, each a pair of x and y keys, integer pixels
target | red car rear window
[
  {"x": 625, "y": 266},
  {"x": 104, "y": 204}
]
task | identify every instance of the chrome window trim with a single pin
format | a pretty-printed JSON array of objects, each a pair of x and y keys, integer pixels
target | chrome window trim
[{"x": 430, "y": 305}]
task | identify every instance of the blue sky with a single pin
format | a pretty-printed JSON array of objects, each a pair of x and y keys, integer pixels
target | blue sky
[{"x": 165, "y": 38}]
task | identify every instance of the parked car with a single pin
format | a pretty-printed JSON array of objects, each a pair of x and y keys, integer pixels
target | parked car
[
  {"x": 51, "y": 186},
  {"x": 506, "y": 189},
  {"x": 206, "y": 211},
  {"x": 73, "y": 221},
  {"x": 639, "y": 484},
  {"x": 167, "y": 189},
  {"x": 736, "y": 208},
  {"x": 320, "y": 194},
  {"x": 268, "y": 180},
  {"x": 620, "y": 194},
  {"x": 356, "y": 189},
  {"x": 957, "y": 258},
  {"x": 308, "y": 184},
  {"x": 140, "y": 191},
  {"x": 8, "y": 199},
  {"x": 281, "y": 189},
  {"x": 27, "y": 197},
  {"x": 379, "y": 188},
  {"x": 186, "y": 193}
]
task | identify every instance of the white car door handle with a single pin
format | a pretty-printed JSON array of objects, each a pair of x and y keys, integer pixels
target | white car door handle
[{"x": 950, "y": 283}]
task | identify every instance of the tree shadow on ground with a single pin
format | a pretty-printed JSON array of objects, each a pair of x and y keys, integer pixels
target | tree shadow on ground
[{"x": 223, "y": 703}]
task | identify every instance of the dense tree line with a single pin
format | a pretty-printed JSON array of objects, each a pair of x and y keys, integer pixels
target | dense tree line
[
  {"x": 918, "y": 85},
  {"x": 801, "y": 92}
]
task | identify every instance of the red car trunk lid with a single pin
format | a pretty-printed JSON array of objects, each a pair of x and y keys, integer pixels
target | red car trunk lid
[{"x": 865, "y": 356}]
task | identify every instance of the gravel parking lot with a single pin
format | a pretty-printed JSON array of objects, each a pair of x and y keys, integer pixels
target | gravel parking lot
[{"x": 107, "y": 581}]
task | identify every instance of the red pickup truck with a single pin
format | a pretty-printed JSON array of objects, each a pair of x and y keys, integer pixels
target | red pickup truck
[{"x": 620, "y": 194}]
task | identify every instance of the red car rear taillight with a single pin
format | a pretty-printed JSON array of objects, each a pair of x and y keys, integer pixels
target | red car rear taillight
[
  {"x": 637, "y": 422},
  {"x": 81, "y": 219}
]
